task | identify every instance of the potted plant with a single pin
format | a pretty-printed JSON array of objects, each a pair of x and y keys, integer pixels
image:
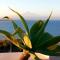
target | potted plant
[{"x": 33, "y": 40}]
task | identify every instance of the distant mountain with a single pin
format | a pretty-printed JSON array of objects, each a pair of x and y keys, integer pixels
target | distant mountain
[{"x": 32, "y": 16}]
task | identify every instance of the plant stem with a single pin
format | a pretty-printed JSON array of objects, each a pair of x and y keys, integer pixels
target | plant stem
[{"x": 25, "y": 55}]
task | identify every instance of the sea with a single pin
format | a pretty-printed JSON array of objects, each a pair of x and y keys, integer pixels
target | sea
[{"x": 53, "y": 26}]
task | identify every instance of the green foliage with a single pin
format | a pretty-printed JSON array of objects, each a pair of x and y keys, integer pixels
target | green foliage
[
  {"x": 36, "y": 39},
  {"x": 22, "y": 20},
  {"x": 40, "y": 32},
  {"x": 34, "y": 29},
  {"x": 45, "y": 37},
  {"x": 52, "y": 41},
  {"x": 10, "y": 37},
  {"x": 57, "y": 49},
  {"x": 18, "y": 31}
]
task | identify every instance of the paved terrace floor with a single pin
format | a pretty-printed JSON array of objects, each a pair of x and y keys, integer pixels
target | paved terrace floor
[{"x": 16, "y": 55}]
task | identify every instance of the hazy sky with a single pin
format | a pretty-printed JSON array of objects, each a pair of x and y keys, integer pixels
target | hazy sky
[{"x": 40, "y": 7}]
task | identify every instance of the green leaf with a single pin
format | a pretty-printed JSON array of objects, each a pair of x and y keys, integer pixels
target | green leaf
[
  {"x": 57, "y": 49},
  {"x": 34, "y": 29},
  {"x": 10, "y": 38},
  {"x": 45, "y": 36},
  {"x": 22, "y": 20},
  {"x": 27, "y": 41},
  {"x": 52, "y": 47},
  {"x": 40, "y": 32},
  {"x": 18, "y": 30},
  {"x": 49, "y": 52},
  {"x": 50, "y": 42},
  {"x": 6, "y": 17},
  {"x": 36, "y": 26}
]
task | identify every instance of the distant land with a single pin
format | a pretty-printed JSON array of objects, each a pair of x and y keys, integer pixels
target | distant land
[{"x": 32, "y": 16}]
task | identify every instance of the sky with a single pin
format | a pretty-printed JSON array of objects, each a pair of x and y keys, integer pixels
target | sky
[{"x": 35, "y": 7}]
